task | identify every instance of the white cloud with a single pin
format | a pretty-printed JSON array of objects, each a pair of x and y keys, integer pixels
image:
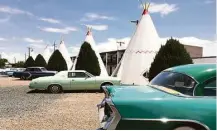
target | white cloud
[
  {"x": 209, "y": 1},
  {"x": 95, "y": 16},
  {"x": 98, "y": 27},
  {"x": 163, "y": 9},
  {"x": 50, "y": 20},
  {"x": 3, "y": 20},
  {"x": 30, "y": 40},
  {"x": 65, "y": 30},
  {"x": 10, "y": 10},
  {"x": 3, "y": 39},
  {"x": 74, "y": 50},
  {"x": 11, "y": 56}
]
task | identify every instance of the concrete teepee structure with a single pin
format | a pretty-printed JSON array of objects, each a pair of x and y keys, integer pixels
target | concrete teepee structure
[
  {"x": 91, "y": 41},
  {"x": 47, "y": 53},
  {"x": 140, "y": 52},
  {"x": 63, "y": 50}
]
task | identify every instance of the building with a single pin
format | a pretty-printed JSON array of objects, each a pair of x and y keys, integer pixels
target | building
[{"x": 110, "y": 58}]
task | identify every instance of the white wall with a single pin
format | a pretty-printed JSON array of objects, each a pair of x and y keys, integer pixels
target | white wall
[{"x": 204, "y": 60}]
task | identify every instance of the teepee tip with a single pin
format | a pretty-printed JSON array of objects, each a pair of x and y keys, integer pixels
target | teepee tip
[
  {"x": 89, "y": 30},
  {"x": 146, "y": 8}
]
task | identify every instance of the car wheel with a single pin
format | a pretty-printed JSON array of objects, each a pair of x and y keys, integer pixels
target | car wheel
[
  {"x": 105, "y": 84},
  {"x": 55, "y": 89},
  {"x": 23, "y": 78},
  {"x": 184, "y": 128}
]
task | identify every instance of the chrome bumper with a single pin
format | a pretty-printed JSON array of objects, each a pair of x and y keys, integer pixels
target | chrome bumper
[{"x": 108, "y": 123}]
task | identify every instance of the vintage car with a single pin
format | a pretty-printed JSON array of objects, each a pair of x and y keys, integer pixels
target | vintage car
[
  {"x": 72, "y": 80},
  {"x": 182, "y": 97},
  {"x": 33, "y": 72}
]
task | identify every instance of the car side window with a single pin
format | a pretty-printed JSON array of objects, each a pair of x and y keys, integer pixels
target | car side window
[
  {"x": 28, "y": 69},
  {"x": 76, "y": 75},
  {"x": 37, "y": 69},
  {"x": 31, "y": 69},
  {"x": 210, "y": 87}
]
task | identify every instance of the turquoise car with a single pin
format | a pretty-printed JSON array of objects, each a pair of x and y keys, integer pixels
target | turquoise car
[
  {"x": 182, "y": 97},
  {"x": 72, "y": 80}
]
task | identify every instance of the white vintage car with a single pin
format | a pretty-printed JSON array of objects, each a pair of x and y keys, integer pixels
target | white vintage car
[{"x": 72, "y": 80}]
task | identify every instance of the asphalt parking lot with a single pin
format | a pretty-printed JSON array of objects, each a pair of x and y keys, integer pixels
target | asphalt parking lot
[{"x": 21, "y": 108}]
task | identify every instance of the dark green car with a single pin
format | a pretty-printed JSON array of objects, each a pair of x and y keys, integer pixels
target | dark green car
[{"x": 183, "y": 97}]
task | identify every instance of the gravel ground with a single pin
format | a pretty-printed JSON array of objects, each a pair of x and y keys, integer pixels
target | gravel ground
[{"x": 21, "y": 108}]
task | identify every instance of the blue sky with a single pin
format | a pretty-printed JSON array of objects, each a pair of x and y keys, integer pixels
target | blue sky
[{"x": 37, "y": 22}]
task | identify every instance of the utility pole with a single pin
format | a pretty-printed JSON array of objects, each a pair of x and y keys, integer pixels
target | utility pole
[
  {"x": 118, "y": 51},
  {"x": 54, "y": 45},
  {"x": 25, "y": 56},
  {"x": 14, "y": 60},
  {"x": 30, "y": 49}
]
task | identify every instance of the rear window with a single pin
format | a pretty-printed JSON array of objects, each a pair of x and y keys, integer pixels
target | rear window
[{"x": 176, "y": 81}]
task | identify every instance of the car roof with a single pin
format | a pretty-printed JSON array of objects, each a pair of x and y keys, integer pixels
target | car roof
[
  {"x": 35, "y": 67},
  {"x": 77, "y": 71},
  {"x": 73, "y": 71},
  {"x": 199, "y": 72}
]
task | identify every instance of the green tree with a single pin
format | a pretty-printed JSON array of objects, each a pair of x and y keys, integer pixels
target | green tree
[
  {"x": 87, "y": 60},
  {"x": 40, "y": 61},
  {"x": 19, "y": 64},
  {"x": 29, "y": 62},
  {"x": 173, "y": 53},
  {"x": 2, "y": 62},
  {"x": 57, "y": 62}
]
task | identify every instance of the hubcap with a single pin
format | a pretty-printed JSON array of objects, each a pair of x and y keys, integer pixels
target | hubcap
[{"x": 55, "y": 88}]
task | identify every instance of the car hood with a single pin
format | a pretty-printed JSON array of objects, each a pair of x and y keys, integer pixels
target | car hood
[{"x": 133, "y": 101}]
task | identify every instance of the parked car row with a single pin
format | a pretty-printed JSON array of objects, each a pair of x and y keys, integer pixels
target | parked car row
[
  {"x": 179, "y": 98},
  {"x": 9, "y": 71},
  {"x": 72, "y": 80}
]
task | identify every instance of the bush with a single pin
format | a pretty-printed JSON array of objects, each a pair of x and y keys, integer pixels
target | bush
[
  {"x": 2, "y": 62},
  {"x": 57, "y": 62},
  {"x": 40, "y": 61},
  {"x": 29, "y": 62},
  {"x": 87, "y": 60},
  {"x": 173, "y": 53}
]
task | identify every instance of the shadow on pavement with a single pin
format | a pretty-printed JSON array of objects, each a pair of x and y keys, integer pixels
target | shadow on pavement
[{"x": 65, "y": 92}]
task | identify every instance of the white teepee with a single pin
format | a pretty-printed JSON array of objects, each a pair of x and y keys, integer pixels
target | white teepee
[
  {"x": 47, "y": 53},
  {"x": 91, "y": 41},
  {"x": 63, "y": 50},
  {"x": 140, "y": 52}
]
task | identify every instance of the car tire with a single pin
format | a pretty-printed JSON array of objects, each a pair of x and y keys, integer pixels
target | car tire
[
  {"x": 105, "y": 84},
  {"x": 23, "y": 78},
  {"x": 55, "y": 89},
  {"x": 184, "y": 128}
]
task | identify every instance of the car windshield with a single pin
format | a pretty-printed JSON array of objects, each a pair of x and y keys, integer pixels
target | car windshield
[
  {"x": 89, "y": 74},
  {"x": 176, "y": 81},
  {"x": 61, "y": 74}
]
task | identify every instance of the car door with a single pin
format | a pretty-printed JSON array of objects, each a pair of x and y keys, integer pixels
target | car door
[
  {"x": 81, "y": 81},
  {"x": 37, "y": 73}
]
